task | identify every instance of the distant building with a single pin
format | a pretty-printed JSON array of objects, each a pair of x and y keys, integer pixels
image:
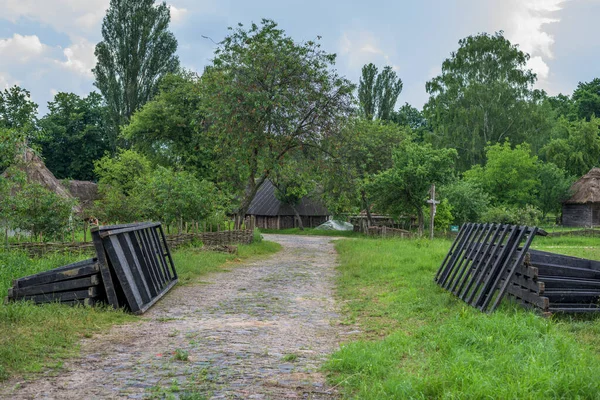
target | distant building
[
  {"x": 271, "y": 213},
  {"x": 583, "y": 208}
]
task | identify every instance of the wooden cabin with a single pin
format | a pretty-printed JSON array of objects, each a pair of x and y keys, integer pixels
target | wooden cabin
[
  {"x": 270, "y": 213},
  {"x": 583, "y": 208}
]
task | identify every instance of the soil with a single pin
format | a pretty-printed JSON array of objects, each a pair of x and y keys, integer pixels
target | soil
[{"x": 258, "y": 331}]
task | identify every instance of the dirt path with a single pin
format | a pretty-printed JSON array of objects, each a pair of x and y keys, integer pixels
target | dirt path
[{"x": 260, "y": 331}]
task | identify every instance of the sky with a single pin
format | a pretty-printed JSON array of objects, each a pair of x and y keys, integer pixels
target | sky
[{"x": 47, "y": 46}]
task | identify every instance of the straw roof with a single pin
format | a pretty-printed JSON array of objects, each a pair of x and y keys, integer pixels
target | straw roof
[
  {"x": 85, "y": 191},
  {"x": 586, "y": 189},
  {"x": 265, "y": 203}
]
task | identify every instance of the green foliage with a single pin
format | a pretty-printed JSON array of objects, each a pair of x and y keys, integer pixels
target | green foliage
[
  {"x": 510, "y": 176},
  {"x": 420, "y": 342},
  {"x": 75, "y": 132},
  {"x": 135, "y": 52},
  {"x": 554, "y": 188},
  {"x": 364, "y": 150},
  {"x": 403, "y": 188},
  {"x": 575, "y": 146},
  {"x": 168, "y": 129},
  {"x": 484, "y": 94},
  {"x": 467, "y": 199},
  {"x": 587, "y": 99},
  {"x": 378, "y": 92},
  {"x": 443, "y": 216},
  {"x": 121, "y": 171},
  {"x": 502, "y": 214},
  {"x": 266, "y": 96},
  {"x": 11, "y": 141},
  {"x": 17, "y": 111}
]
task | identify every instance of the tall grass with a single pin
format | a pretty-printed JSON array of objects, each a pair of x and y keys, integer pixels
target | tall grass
[
  {"x": 421, "y": 342},
  {"x": 34, "y": 337}
]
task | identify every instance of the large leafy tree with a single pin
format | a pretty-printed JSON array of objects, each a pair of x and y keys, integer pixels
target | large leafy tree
[
  {"x": 136, "y": 50},
  {"x": 74, "y": 134},
  {"x": 378, "y": 92},
  {"x": 403, "y": 188},
  {"x": 168, "y": 129},
  {"x": 587, "y": 99},
  {"x": 18, "y": 122},
  {"x": 267, "y": 96},
  {"x": 483, "y": 95}
]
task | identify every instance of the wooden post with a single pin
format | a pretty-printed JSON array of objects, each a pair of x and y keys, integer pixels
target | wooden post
[
  {"x": 278, "y": 222},
  {"x": 432, "y": 202}
]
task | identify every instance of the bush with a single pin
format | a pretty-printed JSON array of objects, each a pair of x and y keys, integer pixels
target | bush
[{"x": 528, "y": 215}]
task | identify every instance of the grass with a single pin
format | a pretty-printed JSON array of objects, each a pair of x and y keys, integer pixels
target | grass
[
  {"x": 420, "y": 342},
  {"x": 36, "y": 337},
  {"x": 312, "y": 232}
]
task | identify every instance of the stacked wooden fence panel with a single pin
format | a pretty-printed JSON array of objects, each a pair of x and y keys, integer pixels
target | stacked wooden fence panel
[
  {"x": 78, "y": 283},
  {"x": 482, "y": 261}
]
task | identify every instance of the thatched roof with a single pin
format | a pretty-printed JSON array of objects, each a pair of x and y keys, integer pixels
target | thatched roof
[
  {"x": 85, "y": 191},
  {"x": 586, "y": 189},
  {"x": 36, "y": 171},
  {"x": 265, "y": 203}
]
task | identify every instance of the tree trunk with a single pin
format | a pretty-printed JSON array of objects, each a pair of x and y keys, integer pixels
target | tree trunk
[
  {"x": 367, "y": 208},
  {"x": 298, "y": 217}
]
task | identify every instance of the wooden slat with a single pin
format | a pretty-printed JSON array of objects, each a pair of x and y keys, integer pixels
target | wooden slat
[
  {"x": 70, "y": 285},
  {"x": 107, "y": 279},
  {"x": 77, "y": 270},
  {"x": 62, "y": 296}
]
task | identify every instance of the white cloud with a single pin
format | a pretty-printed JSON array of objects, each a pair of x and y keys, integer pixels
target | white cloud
[
  {"x": 177, "y": 14},
  {"x": 527, "y": 24},
  {"x": 4, "y": 82},
  {"x": 362, "y": 47},
  {"x": 80, "y": 57},
  {"x": 20, "y": 49}
]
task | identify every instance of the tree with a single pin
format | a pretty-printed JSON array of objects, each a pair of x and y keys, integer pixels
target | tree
[
  {"x": 122, "y": 171},
  {"x": 404, "y": 187},
  {"x": 509, "y": 176},
  {"x": 364, "y": 150},
  {"x": 467, "y": 199},
  {"x": 168, "y": 129},
  {"x": 587, "y": 99},
  {"x": 378, "y": 93},
  {"x": 17, "y": 111},
  {"x": 575, "y": 146},
  {"x": 137, "y": 50},
  {"x": 74, "y": 135},
  {"x": 483, "y": 95},
  {"x": 266, "y": 96},
  {"x": 555, "y": 187}
]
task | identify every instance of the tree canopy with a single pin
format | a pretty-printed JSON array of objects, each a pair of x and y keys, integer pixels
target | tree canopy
[{"x": 378, "y": 92}]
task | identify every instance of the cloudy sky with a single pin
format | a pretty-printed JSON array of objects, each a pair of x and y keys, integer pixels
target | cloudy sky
[{"x": 47, "y": 46}]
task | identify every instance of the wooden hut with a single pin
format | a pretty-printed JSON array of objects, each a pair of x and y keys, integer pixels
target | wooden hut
[
  {"x": 270, "y": 213},
  {"x": 583, "y": 208}
]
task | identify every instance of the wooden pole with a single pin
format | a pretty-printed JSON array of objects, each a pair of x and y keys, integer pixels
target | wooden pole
[{"x": 432, "y": 203}]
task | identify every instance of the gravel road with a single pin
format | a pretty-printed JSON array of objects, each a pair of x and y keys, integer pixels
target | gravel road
[{"x": 259, "y": 331}]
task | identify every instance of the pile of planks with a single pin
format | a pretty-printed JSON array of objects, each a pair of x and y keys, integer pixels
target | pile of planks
[
  {"x": 78, "y": 283},
  {"x": 133, "y": 270},
  {"x": 488, "y": 261}
]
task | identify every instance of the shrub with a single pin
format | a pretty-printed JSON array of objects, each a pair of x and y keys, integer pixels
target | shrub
[{"x": 528, "y": 215}]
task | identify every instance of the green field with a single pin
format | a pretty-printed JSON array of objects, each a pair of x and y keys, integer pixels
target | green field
[
  {"x": 36, "y": 337},
  {"x": 418, "y": 341}
]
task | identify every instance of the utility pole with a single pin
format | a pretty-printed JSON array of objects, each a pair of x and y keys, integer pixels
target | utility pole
[{"x": 432, "y": 202}]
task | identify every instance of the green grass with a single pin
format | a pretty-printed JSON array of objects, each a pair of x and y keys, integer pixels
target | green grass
[
  {"x": 421, "y": 342},
  {"x": 312, "y": 232},
  {"x": 36, "y": 337}
]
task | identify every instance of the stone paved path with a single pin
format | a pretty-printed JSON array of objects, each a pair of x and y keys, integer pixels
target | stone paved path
[{"x": 260, "y": 331}]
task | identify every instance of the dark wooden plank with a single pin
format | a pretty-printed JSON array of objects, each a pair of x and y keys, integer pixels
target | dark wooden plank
[
  {"x": 554, "y": 270},
  {"x": 57, "y": 276},
  {"x": 162, "y": 240},
  {"x": 61, "y": 296},
  {"x": 445, "y": 262},
  {"x": 154, "y": 300},
  {"x": 481, "y": 249},
  {"x": 107, "y": 279},
  {"x": 451, "y": 271},
  {"x": 106, "y": 233},
  {"x": 569, "y": 283},
  {"x": 133, "y": 265},
  {"x": 149, "y": 271},
  {"x": 530, "y": 297},
  {"x": 466, "y": 261},
  {"x": 573, "y": 296},
  {"x": 451, "y": 261},
  {"x": 122, "y": 272},
  {"x": 156, "y": 249},
  {"x": 72, "y": 284}
]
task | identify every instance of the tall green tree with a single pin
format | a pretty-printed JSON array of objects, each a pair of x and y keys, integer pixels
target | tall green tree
[
  {"x": 75, "y": 133},
  {"x": 136, "y": 50},
  {"x": 483, "y": 95},
  {"x": 378, "y": 92},
  {"x": 587, "y": 99},
  {"x": 18, "y": 123},
  {"x": 168, "y": 129},
  {"x": 403, "y": 188},
  {"x": 266, "y": 96}
]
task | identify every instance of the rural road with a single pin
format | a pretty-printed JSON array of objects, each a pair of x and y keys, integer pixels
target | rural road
[{"x": 259, "y": 331}]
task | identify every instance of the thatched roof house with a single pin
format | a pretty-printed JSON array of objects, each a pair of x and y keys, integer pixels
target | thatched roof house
[
  {"x": 583, "y": 208},
  {"x": 271, "y": 213},
  {"x": 84, "y": 191}
]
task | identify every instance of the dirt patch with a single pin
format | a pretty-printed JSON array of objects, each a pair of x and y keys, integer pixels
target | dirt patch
[{"x": 260, "y": 331}]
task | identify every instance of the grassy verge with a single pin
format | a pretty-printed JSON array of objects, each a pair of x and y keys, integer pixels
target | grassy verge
[
  {"x": 36, "y": 337},
  {"x": 419, "y": 341},
  {"x": 312, "y": 232}
]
